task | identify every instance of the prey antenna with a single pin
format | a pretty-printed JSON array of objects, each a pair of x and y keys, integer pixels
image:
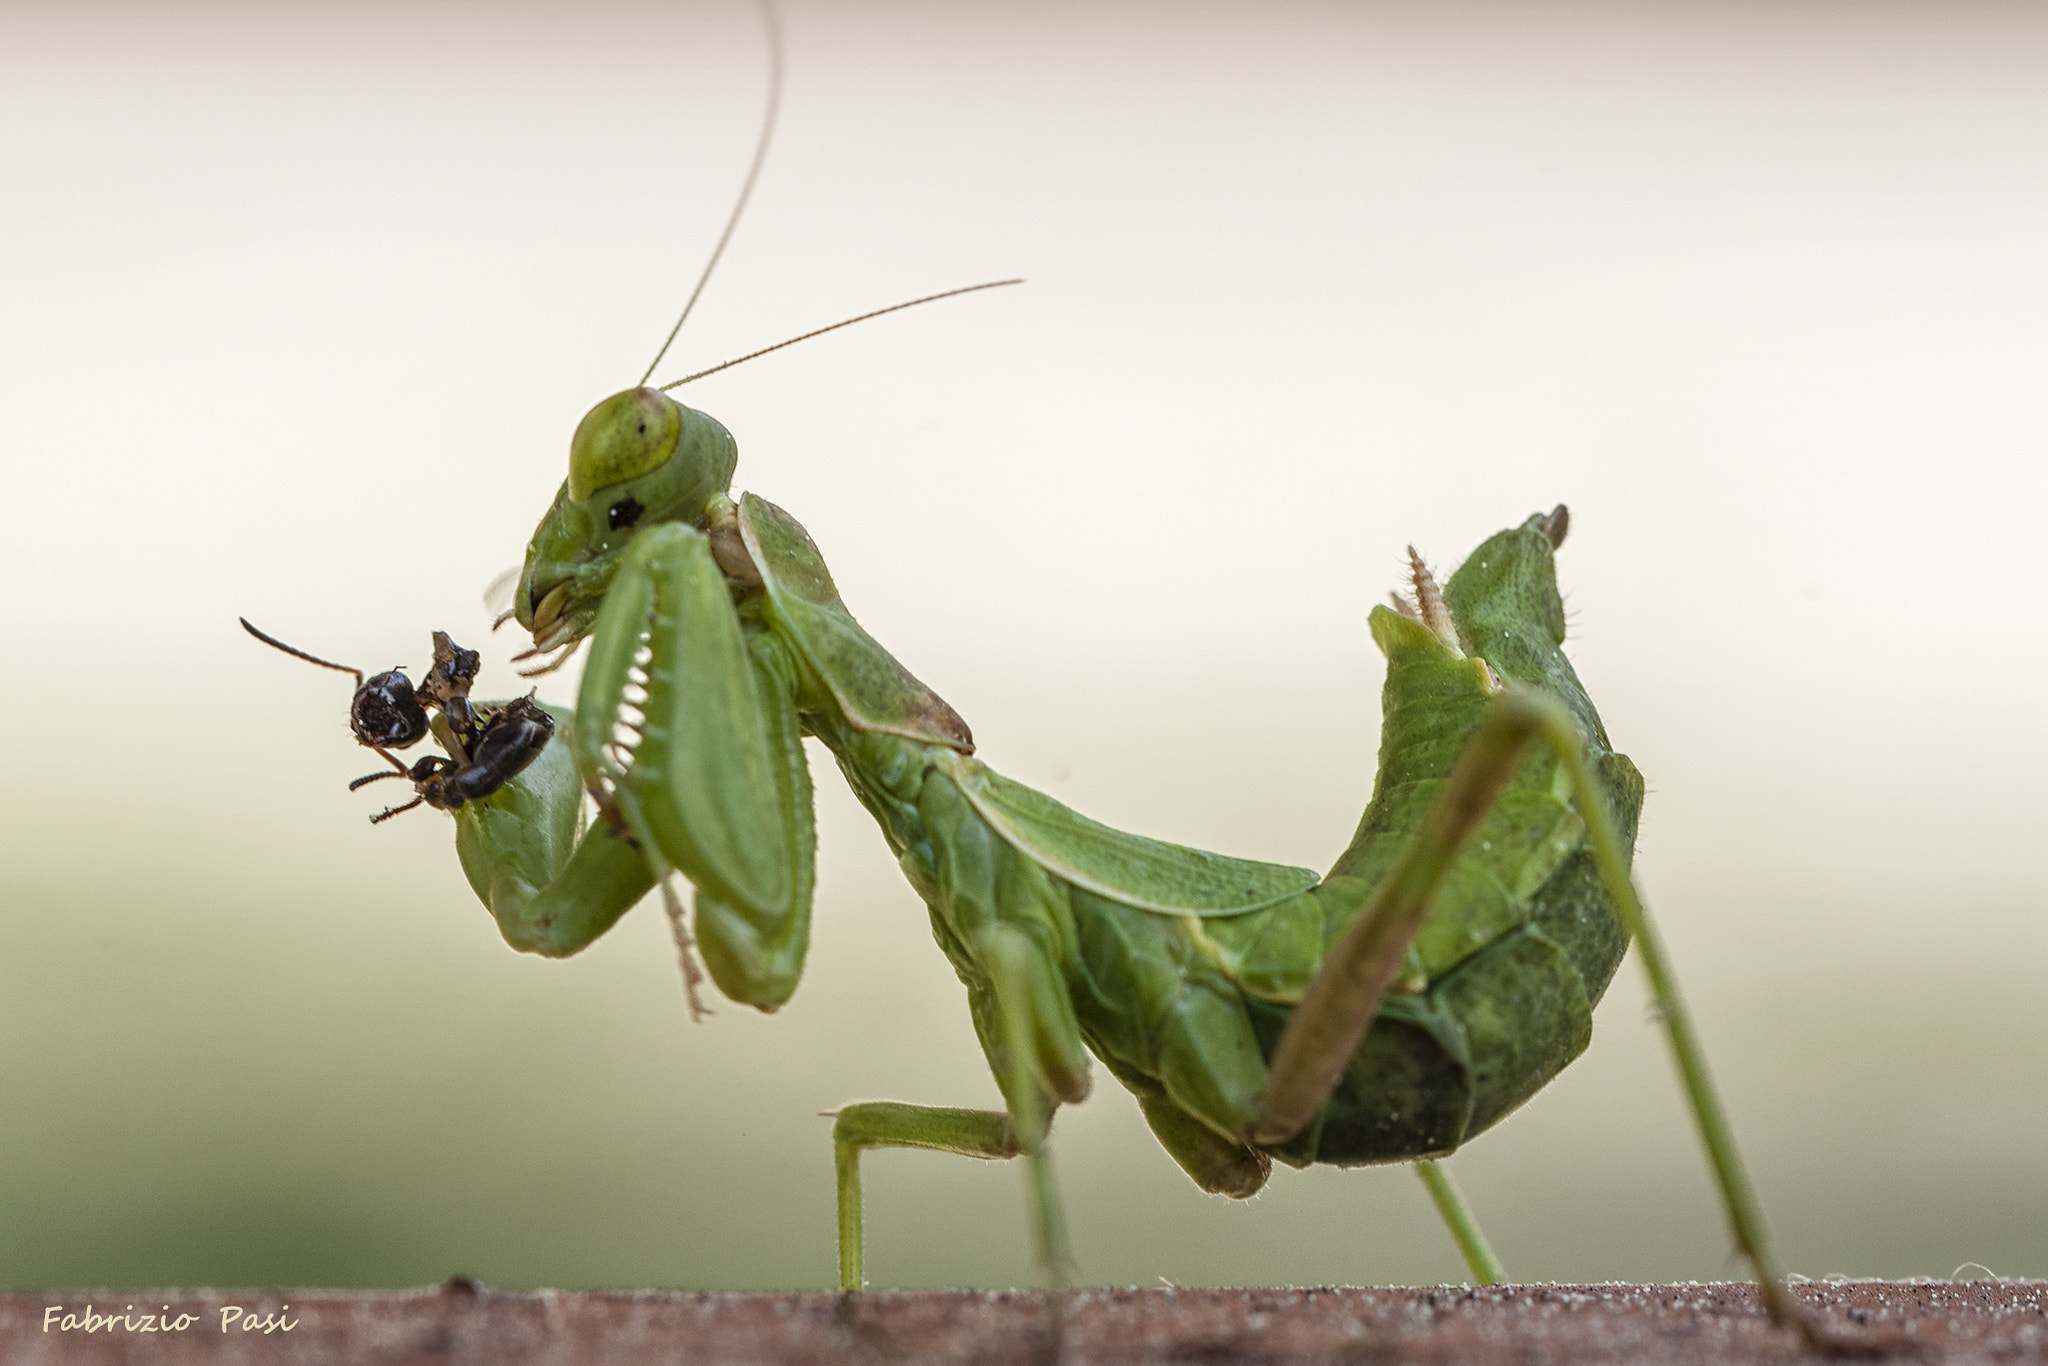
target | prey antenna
[
  {"x": 849, "y": 322},
  {"x": 774, "y": 25},
  {"x": 297, "y": 653}
]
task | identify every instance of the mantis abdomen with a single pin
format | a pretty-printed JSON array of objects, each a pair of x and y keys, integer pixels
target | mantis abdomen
[{"x": 1179, "y": 969}]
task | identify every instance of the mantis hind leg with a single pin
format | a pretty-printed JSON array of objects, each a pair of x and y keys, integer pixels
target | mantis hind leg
[
  {"x": 1345, "y": 995},
  {"x": 1465, "y": 1230}
]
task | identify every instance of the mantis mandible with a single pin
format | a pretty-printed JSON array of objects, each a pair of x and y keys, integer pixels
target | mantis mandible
[{"x": 1390, "y": 1009}]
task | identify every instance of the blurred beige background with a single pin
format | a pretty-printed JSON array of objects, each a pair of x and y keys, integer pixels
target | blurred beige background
[{"x": 301, "y": 305}]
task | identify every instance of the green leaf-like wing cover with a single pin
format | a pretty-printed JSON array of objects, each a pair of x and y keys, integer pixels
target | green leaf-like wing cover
[
  {"x": 1149, "y": 874},
  {"x": 874, "y": 691}
]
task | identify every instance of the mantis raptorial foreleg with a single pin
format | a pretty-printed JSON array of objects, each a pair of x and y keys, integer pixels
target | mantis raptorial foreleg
[
  {"x": 549, "y": 893},
  {"x": 709, "y": 777},
  {"x": 687, "y": 733}
]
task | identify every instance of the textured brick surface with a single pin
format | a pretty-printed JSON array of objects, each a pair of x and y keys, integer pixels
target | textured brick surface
[{"x": 1525, "y": 1325}]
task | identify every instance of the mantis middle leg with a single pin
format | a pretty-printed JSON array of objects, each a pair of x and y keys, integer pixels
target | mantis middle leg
[{"x": 988, "y": 1134}]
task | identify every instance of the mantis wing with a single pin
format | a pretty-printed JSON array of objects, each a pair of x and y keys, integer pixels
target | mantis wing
[{"x": 1149, "y": 874}]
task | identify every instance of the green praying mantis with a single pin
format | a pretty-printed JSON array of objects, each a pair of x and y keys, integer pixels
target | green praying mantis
[{"x": 1439, "y": 973}]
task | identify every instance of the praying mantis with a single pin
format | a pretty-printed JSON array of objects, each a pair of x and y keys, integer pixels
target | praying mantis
[{"x": 1437, "y": 975}]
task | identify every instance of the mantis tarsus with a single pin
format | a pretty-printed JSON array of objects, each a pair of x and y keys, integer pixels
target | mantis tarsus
[{"x": 1440, "y": 973}]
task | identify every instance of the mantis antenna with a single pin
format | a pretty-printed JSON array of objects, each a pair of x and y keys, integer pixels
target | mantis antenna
[
  {"x": 774, "y": 26},
  {"x": 848, "y": 322},
  {"x": 773, "y": 23}
]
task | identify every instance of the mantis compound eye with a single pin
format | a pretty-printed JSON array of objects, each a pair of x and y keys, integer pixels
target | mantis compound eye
[
  {"x": 385, "y": 713},
  {"x": 624, "y": 513},
  {"x": 624, "y": 437}
]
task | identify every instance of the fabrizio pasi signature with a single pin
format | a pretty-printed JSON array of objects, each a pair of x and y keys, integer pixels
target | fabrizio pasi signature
[{"x": 58, "y": 1318}]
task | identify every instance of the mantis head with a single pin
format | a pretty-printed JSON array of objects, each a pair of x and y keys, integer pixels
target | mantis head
[{"x": 638, "y": 458}]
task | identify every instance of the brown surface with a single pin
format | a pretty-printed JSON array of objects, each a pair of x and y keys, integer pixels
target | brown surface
[{"x": 1940, "y": 1321}]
